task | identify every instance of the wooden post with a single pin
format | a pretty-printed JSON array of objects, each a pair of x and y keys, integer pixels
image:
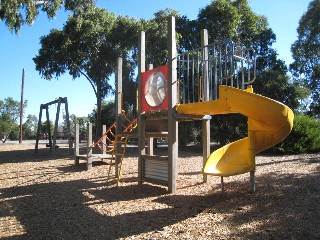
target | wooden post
[
  {"x": 222, "y": 185},
  {"x": 252, "y": 182},
  {"x": 150, "y": 139},
  {"x": 68, "y": 123},
  {"x": 150, "y": 145},
  {"x": 76, "y": 144},
  {"x": 172, "y": 94},
  {"x": 48, "y": 127},
  {"x": 38, "y": 130},
  {"x": 118, "y": 113},
  {"x": 21, "y": 105},
  {"x": 89, "y": 143},
  {"x": 252, "y": 147},
  {"x": 56, "y": 124},
  {"x": 205, "y": 97},
  {"x": 141, "y": 120}
]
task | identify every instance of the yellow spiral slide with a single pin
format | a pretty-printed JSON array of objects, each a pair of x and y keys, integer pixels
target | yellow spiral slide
[{"x": 269, "y": 122}]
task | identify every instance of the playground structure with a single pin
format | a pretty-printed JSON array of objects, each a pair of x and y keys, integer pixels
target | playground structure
[
  {"x": 214, "y": 79},
  {"x": 221, "y": 75},
  {"x": 53, "y": 139},
  {"x": 113, "y": 140},
  {"x": 106, "y": 143}
]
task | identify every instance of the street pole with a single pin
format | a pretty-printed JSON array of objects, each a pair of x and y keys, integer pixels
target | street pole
[{"x": 21, "y": 105}]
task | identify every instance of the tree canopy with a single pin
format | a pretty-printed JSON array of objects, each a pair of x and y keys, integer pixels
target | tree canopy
[
  {"x": 30, "y": 126},
  {"x": 88, "y": 45},
  {"x": 9, "y": 113},
  {"x": 16, "y": 13},
  {"x": 306, "y": 54}
]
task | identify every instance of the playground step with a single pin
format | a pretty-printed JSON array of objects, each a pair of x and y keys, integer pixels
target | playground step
[
  {"x": 121, "y": 141},
  {"x": 157, "y": 134},
  {"x": 118, "y": 154}
]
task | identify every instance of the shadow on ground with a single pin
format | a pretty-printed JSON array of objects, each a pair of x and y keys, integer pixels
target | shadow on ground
[
  {"x": 29, "y": 155},
  {"x": 44, "y": 212}
]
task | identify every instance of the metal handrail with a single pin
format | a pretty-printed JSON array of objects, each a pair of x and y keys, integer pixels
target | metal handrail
[{"x": 226, "y": 63}]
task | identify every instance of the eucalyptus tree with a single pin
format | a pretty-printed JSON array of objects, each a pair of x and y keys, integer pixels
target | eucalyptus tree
[
  {"x": 156, "y": 36},
  {"x": 82, "y": 121},
  {"x": 9, "y": 113},
  {"x": 30, "y": 127},
  {"x": 15, "y": 13},
  {"x": 234, "y": 20},
  {"x": 306, "y": 54},
  {"x": 88, "y": 45}
]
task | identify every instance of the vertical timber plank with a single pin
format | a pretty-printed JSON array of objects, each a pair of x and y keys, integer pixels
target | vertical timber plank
[
  {"x": 76, "y": 145},
  {"x": 205, "y": 97},
  {"x": 38, "y": 129},
  {"x": 55, "y": 133},
  {"x": 68, "y": 123},
  {"x": 172, "y": 93},
  {"x": 48, "y": 128},
  {"x": 141, "y": 120},
  {"x": 150, "y": 139},
  {"x": 89, "y": 143},
  {"x": 118, "y": 113}
]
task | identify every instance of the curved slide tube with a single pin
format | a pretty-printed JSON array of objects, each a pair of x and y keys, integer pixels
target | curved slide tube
[{"x": 269, "y": 122}]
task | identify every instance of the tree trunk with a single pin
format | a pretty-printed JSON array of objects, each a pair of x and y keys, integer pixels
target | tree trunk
[{"x": 98, "y": 121}]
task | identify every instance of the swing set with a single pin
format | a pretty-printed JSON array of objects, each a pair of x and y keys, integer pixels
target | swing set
[{"x": 53, "y": 139}]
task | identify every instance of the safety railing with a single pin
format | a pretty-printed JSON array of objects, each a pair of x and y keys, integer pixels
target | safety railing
[{"x": 209, "y": 67}]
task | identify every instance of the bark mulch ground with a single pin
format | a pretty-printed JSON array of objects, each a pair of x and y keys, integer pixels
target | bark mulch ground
[{"x": 46, "y": 196}]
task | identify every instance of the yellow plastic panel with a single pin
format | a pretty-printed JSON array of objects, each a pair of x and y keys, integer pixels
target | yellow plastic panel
[{"x": 269, "y": 122}]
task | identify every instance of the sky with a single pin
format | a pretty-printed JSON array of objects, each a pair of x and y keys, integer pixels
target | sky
[{"x": 17, "y": 51}]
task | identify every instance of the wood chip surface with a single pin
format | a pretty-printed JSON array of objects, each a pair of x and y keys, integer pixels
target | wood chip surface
[{"x": 46, "y": 196}]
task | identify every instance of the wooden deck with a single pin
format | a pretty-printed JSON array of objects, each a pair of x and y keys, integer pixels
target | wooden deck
[{"x": 93, "y": 156}]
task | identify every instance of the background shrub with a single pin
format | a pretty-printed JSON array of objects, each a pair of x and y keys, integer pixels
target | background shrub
[{"x": 304, "y": 137}]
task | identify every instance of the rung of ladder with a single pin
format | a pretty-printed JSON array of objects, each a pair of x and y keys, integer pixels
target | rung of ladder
[
  {"x": 118, "y": 154},
  {"x": 121, "y": 140}
]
